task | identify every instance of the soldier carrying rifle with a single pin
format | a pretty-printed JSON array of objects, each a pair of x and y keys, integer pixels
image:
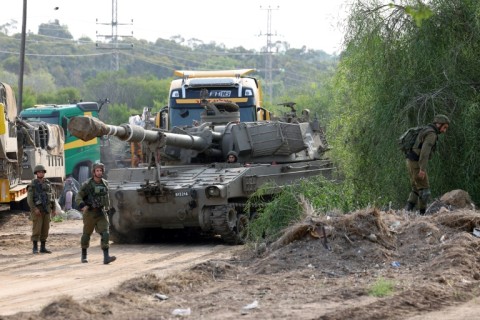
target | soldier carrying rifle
[
  {"x": 94, "y": 202},
  {"x": 41, "y": 200}
]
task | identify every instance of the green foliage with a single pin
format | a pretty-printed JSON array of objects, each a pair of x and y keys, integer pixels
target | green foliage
[
  {"x": 285, "y": 207},
  {"x": 381, "y": 288},
  {"x": 55, "y": 30},
  {"x": 29, "y": 98},
  {"x": 12, "y": 64},
  {"x": 62, "y": 96},
  {"x": 277, "y": 214},
  {"x": 57, "y": 218},
  {"x": 394, "y": 75},
  {"x": 135, "y": 92},
  {"x": 419, "y": 11},
  {"x": 117, "y": 114},
  {"x": 9, "y": 77},
  {"x": 68, "y": 95},
  {"x": 40, "y": 82}
]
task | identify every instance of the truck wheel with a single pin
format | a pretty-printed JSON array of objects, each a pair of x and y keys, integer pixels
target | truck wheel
[
  {"x": 22, "y": 205},
  {"x": 83, "y": 174}
]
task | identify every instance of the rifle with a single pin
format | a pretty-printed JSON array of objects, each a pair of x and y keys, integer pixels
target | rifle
[{"x": 40, "y": 197}]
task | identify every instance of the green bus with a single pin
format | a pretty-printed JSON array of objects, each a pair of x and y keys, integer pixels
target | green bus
[{"x": 79, "y": 154}]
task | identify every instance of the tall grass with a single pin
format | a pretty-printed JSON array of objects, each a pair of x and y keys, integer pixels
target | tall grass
[{"x": 285, "y": 208}]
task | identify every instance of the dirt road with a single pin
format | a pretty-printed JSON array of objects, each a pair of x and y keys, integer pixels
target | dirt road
[{"x": 29, "y": 282}]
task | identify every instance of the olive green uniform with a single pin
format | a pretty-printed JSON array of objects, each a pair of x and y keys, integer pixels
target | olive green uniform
[
  {"x": 95, "y": 196},
  {"x": 40, "y": 195},
  {"x": 417, "y": 160}
]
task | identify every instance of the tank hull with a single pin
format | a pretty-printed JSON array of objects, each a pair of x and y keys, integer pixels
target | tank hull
[{"x": 206, "y": 198}]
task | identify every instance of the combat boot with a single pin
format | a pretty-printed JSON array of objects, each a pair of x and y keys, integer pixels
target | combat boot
[
  {"x": 84, "y": 256},
  {"x": 410, "y": 206},
  {"x": 43, "y": 249},
  {"x": 422, "y": 212},
  {"x": 106, "y": 258},
  {"x": 35, "y": 247}
]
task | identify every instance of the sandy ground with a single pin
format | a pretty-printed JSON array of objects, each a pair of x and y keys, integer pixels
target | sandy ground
[
  {"x": 430, "y": 265},
  {"x": 29, "y": 282}
]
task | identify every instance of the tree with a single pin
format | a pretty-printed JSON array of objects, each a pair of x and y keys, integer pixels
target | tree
[
  {"x": 396, "y": 73},
  {"x": 12, "y": 64},
  {"x": 6, "y": 28},
  {"x": 54, "y": 29},
  {"x": 40, "y": 82}
]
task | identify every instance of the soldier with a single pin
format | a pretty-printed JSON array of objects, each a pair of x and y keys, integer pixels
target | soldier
[
  {"x": 417, "y": 160},
  {"x": 70, "y": 189},
  {"x": 232, "y": 157},
  {"x": 93, "y": 201},
  {"x": 41, "y": 200}
]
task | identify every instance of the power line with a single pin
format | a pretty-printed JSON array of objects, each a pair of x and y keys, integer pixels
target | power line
[
  {"x": 114, "y": 44},
  {"x": 268, "y": 52}
]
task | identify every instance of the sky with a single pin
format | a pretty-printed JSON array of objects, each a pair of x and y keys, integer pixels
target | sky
[{"x": 314, "y": 24}]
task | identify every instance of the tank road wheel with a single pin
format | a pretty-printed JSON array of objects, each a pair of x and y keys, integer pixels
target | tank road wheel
[
  {"x": 230, "y": 225},
  {"x": 242, "y": 228}
]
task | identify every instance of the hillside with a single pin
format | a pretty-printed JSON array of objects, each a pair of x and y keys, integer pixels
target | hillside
[{"x": 55, "y": 61}]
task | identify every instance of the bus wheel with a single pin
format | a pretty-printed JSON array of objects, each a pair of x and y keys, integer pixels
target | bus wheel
[{"x": 83, "y": 173}]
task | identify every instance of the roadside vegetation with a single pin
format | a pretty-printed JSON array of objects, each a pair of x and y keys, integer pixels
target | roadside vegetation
[
  {"x": 314, "y": 196},
  {"x": 402, "y": 64},
  {"x": 382, "y": 288},
  {"x": 397, "y": 72}
]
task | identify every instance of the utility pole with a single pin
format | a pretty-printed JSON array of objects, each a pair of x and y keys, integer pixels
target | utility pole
[
  {"x": 114, "y": 37},
  {"x": 268, "y": 52},
  {"x": 22, "y": 58}
]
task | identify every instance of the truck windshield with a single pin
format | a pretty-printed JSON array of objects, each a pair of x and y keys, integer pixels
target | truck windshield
[{"x": 51, "y": 120}]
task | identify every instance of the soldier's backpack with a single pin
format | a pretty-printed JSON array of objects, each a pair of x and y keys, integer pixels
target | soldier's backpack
[{"x": 408, "y": 138}]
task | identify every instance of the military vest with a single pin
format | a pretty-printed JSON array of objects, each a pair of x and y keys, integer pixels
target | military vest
[
  {"x": 97, "y": 194},
  {"x": 43, "y": 195}
]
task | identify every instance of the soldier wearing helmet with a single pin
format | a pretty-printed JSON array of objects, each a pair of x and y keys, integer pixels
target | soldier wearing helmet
[
  {"x": 41, "y": 200},
  {"x": 232, "y": 157},
  {"x": 93, "y": 200},
  {"x": 417, "y": 161}
]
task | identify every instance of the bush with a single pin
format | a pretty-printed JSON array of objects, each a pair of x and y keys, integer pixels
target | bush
[{"x": 285, "y": 208}]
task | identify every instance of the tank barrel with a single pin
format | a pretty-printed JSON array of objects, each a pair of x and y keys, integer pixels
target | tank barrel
[
  {"x": 186, "y": 141},
  {"x": 87, "y": 128}
]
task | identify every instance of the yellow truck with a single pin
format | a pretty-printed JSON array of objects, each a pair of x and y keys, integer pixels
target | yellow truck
[
  {"x": 232, "y": 86},
  {"x": 22, "y": 147}
]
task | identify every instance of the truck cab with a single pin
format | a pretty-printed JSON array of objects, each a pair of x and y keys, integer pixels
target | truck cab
[{"x": 231, "y": 86}]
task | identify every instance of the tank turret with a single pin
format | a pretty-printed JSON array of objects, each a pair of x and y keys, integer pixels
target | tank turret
[
  {"x": 187, "y": 183},
  {"x": 211, "y": 140}
]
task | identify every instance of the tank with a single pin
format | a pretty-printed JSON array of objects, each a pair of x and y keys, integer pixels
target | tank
[{"x": 187, "y": 183}]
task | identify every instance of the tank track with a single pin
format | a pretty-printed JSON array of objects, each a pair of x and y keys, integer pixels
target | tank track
[{"x": 232, "y": 232}]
